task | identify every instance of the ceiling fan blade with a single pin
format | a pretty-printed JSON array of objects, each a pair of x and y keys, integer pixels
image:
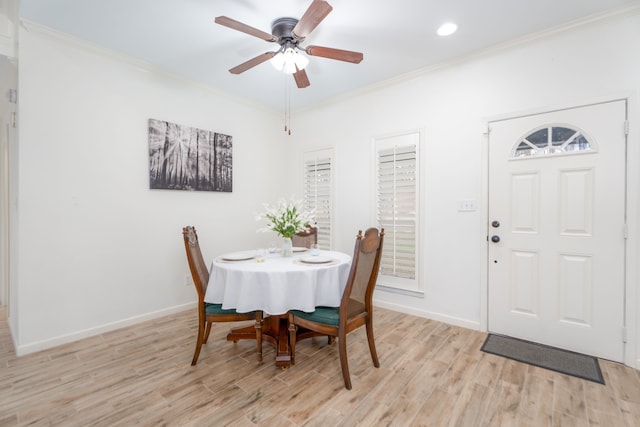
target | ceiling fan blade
[
  {"x": 331, "y": 53},
  {"x": 301, "y": 78},
  {"x": 247, "y": 29},
  {"x": 317, "y": 11},
  {"x": 252, "y": 63}
]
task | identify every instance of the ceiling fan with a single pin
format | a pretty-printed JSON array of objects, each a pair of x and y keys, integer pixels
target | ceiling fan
[{"x": 289, "y": 33}]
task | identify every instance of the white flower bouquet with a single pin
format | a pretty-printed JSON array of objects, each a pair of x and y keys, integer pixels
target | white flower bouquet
[{"x": 286, "y": 218}]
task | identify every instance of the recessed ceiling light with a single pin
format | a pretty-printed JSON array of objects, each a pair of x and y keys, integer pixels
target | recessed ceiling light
[{"x": 447, "y": 29}]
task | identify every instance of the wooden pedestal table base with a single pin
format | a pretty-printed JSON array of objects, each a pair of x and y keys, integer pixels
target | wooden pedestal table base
[{"x": 275, "y": 330}]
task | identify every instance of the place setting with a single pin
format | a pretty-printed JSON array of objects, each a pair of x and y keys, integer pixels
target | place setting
[
  {"x": 315, "y": 260},
  {"x": 236, "y": 257},
  {"x": 314, "y": 257}
]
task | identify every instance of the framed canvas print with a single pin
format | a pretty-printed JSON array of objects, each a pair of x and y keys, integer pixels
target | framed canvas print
[{"x": 187, "y": 158}]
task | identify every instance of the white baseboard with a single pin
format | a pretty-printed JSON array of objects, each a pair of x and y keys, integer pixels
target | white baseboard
[
  {"x": 75, "y": 336},
  {"x": 451, "y": 320}
]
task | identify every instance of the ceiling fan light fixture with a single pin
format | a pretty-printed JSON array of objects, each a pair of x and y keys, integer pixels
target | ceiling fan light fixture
[
  {"x": 289, "y": 67},
  {"x": 277, "y": 61},
  {"x": 301, "y": 61},
  {"x": 288, "y": 60}
]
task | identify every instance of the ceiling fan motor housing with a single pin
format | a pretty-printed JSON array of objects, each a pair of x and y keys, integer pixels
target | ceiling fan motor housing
[{"x": 282, "y": 28}]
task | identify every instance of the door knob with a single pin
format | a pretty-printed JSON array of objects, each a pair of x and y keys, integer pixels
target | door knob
[
  {"x": 495, "y": 238},
  {"x": 495, "y": 224}
]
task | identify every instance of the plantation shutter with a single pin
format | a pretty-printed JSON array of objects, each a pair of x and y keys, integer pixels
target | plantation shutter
[
  {"x": 317, "y": 192},
  {"x": 397, "y": 209}
]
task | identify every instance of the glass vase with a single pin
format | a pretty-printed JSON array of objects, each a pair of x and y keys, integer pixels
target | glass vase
[{"x": 287, "y": 247}]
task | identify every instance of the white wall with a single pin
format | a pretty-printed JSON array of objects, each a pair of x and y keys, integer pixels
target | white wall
[
  {"x": 451, "y": 104},
  {"x": 98, "y": 249}
]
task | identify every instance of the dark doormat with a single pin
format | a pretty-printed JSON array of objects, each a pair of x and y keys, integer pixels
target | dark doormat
[{"x": 544, "y": 356}]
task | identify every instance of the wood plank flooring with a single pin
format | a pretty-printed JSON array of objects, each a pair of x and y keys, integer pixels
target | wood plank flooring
[{"x": 431, "y": 374}]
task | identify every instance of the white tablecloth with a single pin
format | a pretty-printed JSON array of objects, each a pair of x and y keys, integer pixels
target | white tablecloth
[{"x": 278, "y": 284}]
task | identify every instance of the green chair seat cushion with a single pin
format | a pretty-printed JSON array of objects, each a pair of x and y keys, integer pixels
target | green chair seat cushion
[
  {"x": 324, "y": 315},
  {"x": 217, "y": 309}
]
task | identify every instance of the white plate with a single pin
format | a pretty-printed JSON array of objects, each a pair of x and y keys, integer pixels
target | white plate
[
  {"x": 316, "y": 259},
  {"x": 239, "y": 256},
  {"x": 299, "y": 249}
]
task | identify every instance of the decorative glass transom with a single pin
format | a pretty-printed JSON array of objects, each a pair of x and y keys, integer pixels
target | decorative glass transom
[{"x": 552, "y": 140}]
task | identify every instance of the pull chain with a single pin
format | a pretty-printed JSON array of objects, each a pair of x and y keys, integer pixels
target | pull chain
[
  {"x": 286, "y": 106},
  {"x": 287, "y": 114}
]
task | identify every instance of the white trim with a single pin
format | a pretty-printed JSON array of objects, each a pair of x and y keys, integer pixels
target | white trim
[
  {"x": 440, "y": 317},
  {"x": 402, "y": 291},
  {"x": 4, "y": 212},
  {"x": 551, "y": 108},
  {"x": 141, "y": 65},
  {"x": 628, "y": 9},
  {"x": 632, "y": 295},
  {"x": 484, "y": 217},
  {"x": 108, "y": 327}
]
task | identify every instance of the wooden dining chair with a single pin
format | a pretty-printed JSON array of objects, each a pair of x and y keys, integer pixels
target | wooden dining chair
[
  {"x": 305, "y": 239},
  {"x": 356, "y": 308},
  {"x": 210, "y": 313}
]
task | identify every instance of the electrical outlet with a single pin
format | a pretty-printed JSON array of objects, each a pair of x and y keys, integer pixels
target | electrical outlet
[{"x": 187, "y": 279}]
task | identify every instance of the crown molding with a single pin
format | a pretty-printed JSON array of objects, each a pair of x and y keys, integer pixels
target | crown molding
[
  {"x": 139, "y": 64},
  {"x": 630, "y": 9}
]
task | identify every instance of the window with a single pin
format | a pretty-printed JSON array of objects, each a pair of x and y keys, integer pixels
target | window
[
  {"x": 397, "y": 210},
  {"x": 317, "y": 192},
  {"x": 551, "y": 140}
]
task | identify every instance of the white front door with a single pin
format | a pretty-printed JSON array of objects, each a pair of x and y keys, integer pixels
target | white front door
[{"x": 557, "y": 228}]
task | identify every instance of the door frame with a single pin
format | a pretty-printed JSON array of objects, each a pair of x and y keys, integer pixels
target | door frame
[
  {"x": 631, "y": 293},
  {"x": 4, "y": 212}
]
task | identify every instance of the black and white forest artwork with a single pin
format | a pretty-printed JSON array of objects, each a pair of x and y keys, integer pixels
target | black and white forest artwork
[{"x": 186, "y": 158}]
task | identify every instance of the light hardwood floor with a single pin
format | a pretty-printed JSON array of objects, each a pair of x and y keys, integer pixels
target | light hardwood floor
[{"x": 431, "y": 374}]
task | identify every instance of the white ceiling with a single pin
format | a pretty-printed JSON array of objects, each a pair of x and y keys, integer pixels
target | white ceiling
[{"x": 396, "y": 36}]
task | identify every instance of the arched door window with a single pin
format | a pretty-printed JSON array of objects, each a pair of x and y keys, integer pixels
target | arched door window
[{"x": 551, "y": 140}]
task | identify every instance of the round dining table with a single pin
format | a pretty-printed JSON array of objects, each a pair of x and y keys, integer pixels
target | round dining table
[{"x": 248, "y": 281}]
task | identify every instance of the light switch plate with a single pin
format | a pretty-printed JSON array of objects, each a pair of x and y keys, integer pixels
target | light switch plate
[{"x": 467, "y": 205}]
